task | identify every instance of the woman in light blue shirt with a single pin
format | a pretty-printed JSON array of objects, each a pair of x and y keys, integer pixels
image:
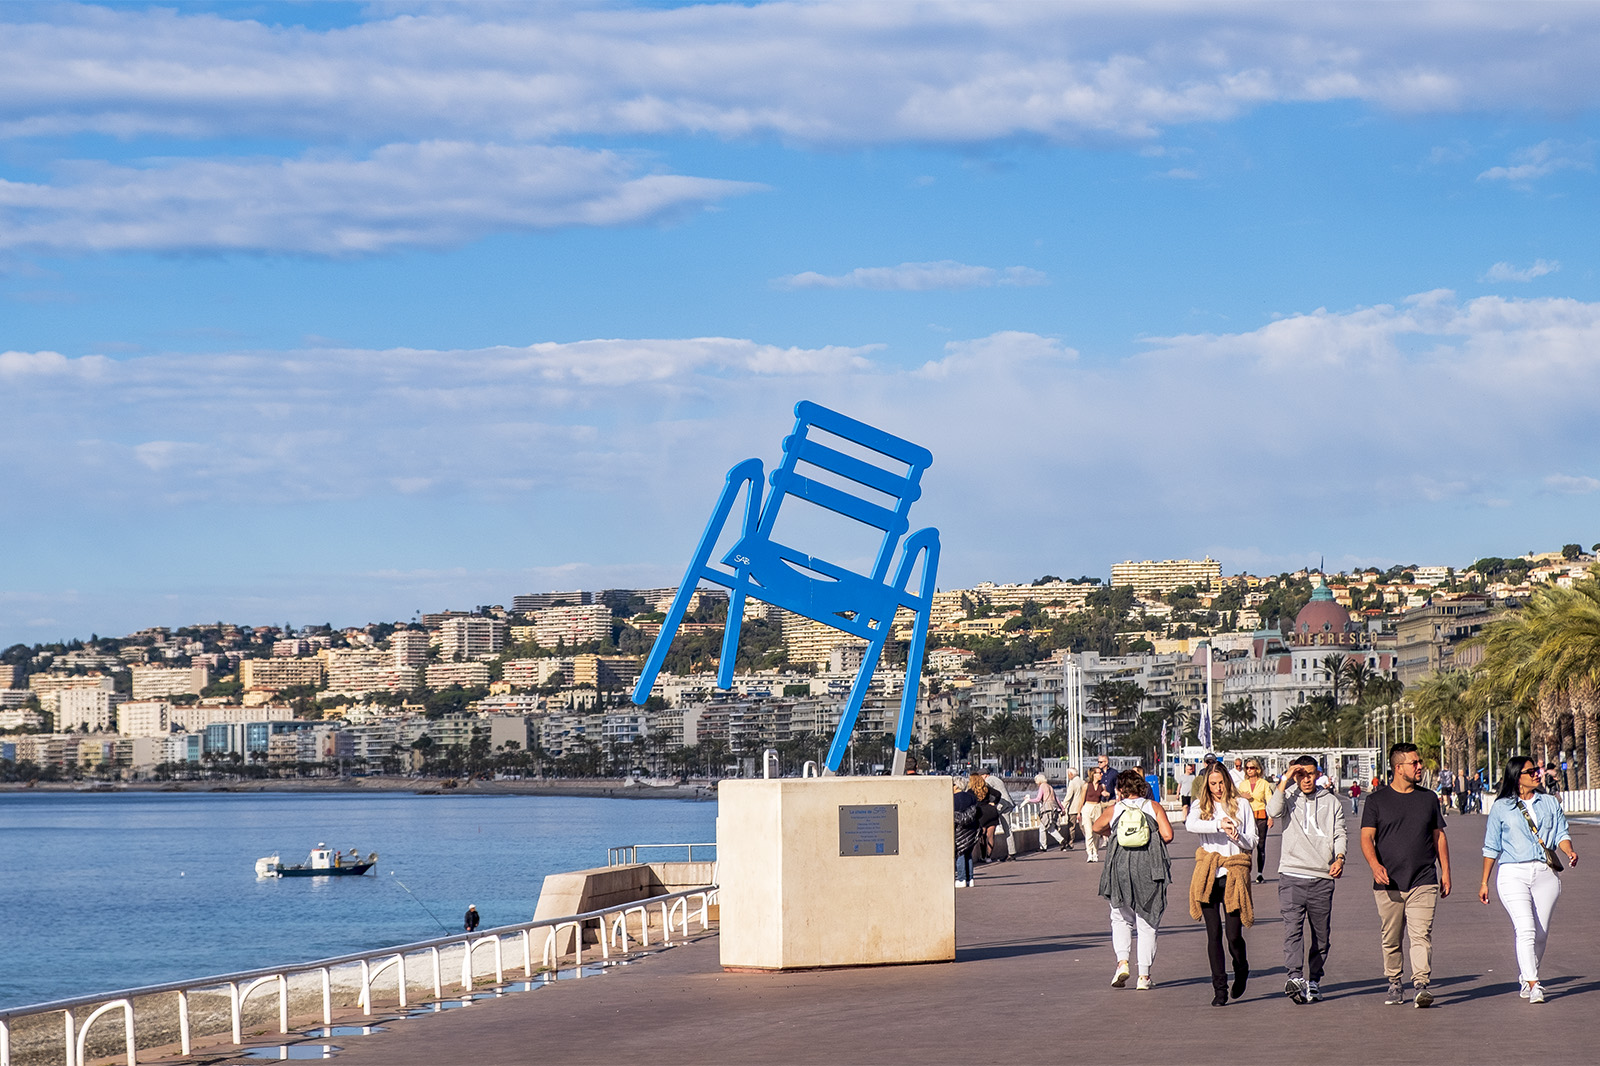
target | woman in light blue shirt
[{"x": 1527, "y": 887}]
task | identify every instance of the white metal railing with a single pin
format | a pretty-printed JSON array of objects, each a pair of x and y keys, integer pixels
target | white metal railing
[
  {"x": 1577, "y": 801},
  {"x": 676, "y": 911},
  {"x": 628, "y": 854}
]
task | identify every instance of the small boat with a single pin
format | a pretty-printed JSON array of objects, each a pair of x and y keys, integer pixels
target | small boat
[{"x": 322, "y": 862}]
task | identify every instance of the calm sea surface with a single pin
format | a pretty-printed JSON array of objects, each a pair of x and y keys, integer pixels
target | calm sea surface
[{"x": 106, "y": 891}]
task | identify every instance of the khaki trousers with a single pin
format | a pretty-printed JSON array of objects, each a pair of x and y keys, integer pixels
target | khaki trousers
[{"x": 1410, "y": 913}]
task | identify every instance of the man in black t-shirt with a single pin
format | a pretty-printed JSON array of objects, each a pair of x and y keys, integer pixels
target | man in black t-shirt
[{"x": 1402, "y": 837}]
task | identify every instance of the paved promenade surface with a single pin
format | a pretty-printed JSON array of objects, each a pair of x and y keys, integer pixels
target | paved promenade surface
[{"x": 1031, "y": 981}]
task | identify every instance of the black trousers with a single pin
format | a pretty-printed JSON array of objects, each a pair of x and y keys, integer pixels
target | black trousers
[
  {"x": 1220, "y": 925},
  {"x": 1261, "y": 843}
]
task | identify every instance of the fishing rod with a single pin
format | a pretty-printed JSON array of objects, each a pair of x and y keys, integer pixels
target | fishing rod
[{"x": 421, "y": 904}]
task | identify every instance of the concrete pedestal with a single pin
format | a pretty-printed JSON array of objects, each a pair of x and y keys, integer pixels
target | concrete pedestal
[{"x": 789, "y": 898}]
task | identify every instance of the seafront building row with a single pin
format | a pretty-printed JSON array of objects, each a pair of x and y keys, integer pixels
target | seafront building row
[{"x": 123, "y": 710}]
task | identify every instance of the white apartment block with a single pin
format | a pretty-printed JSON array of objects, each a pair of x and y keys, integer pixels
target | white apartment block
[
  {"x": 21, "y": 718},
  {"x": 572, "y": 626},
  {"x": 358, "y": 671},
  {"x": 409, "y": 647},
  {"x": 1431, "y": 575},
  {"x": 80, "y": 707},
  {"x": 471, "y": 638},
  {"x": 157, "y": 682},
  {"x": 533, "y": 673},
  {"x": 467, "y": 675},
  {"x": 47, "y": 686},
  {"x": 271, "y": 675},
  {"x": 807, "y": 641},
  {"x": 144, "y": 718},
  {"x": 1162, "y": 577},
  {"x": 194, "y": 717},
  {"x": 1071, "y": 594}
]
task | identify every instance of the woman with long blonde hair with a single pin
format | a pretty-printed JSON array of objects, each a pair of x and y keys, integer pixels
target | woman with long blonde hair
[
  {"x": 1090, "y": 811},
  {"x": 1219, "y": 891}
]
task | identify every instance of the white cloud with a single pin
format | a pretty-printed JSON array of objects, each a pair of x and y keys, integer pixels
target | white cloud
[
  {"x": 916, "y": 277},
  {"x": 402, "y": 195},
  {"x": 810, "y": 72},
  {"x": 1506, "y": 272},
  {"x": 1541, "y": 160},
  {"x": 1572, "y": 485}
]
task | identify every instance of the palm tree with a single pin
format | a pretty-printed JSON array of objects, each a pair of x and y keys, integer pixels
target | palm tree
[
  {"x": 1334, "y": 665},
  {"x": 1359, "y": 674},
  {"x": 1447, "y": 702}
]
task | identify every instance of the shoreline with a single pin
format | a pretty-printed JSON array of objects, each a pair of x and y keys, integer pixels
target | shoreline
[{"x": 601, "y": 788}]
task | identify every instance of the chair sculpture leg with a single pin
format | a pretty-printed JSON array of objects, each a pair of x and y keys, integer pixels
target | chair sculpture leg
[
  {"x": 749, "y": 471},
  {"x": 927, "y": 542},
  {"x": 858, "y": 695},
  {"x": 730, "y": 639}
]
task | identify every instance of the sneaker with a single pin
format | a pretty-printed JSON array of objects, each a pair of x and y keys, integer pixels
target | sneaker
[
  {"x": 1295, "y": 989},
  {"x": 968, "y": 884},
  {"x": 1536, "y": 994},
  {"x": 1397, "y": 994},
  {"x": 1522, "y": 992},
  {"x": 960, "y": 883},
  {"x": 1313, "y": 993},
  {"x": 1121, "y": 977},
  {"x": 1143, "y": 985},
  {"x": 1424, "y": 998},
  {"x": 1260, "y": 880}
]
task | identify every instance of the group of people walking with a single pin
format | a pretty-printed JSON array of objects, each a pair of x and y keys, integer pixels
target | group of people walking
[{"x": 1402, "y": 838}]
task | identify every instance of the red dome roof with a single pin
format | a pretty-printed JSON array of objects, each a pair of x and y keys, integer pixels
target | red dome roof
[{"x": 1321, "y": 617}]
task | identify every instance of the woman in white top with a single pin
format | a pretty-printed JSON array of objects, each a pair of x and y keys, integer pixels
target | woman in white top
[{"x": 1220, "y": 889}]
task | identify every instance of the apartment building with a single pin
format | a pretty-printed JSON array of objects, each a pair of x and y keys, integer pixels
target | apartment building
[
  {"x": 471, "y": 638},
  {"x": 539, "y": 601},
  {"x": 1159, "y": 578},
  {"x": 1071, "y": 594},
  {"x": 465, "y": 674},
  {"x": 534, "y": 673},
  {"x": 572, "y": 626},
  {"x": 48, "y": 686},
  {"x": 409, "y": 647},
  {"x": 144, "y": 718},
  {"x": 159, "y": 682},
  {"x": 273, "y": 675},
  {"x": 1430, "y": 639},
  {"x": 357, "y": 671},
  {"x": 85, "y": 708},
  {"x": 808, "y": 641}
]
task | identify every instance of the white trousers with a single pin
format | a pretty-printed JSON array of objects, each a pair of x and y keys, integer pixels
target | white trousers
[
  {"x": 1123, "y": 923},
  {"x": 1528, "y": 891}
]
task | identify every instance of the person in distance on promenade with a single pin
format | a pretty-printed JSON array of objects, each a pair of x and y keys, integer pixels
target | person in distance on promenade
[
  {"x": 1092, "y": 841},
  {"x": 1072, "y": 799},
  {"x": 1402, "y": 839},
  {"x": 470, "y": 921},
  {"x": 1000, "y": 796},
  {"x": 1197, "y": 788},
  {"x": 1219, "y": 891},
  {"x": 988, "y": 815},
  {"x": 1186, "y": 787},
  {"x": 1256, "y": 790},
  {"x": 1310, "y": 860},
  {"x": 1522, "y": 824},
  {"x": 1049, "y": 812},
  {"x": 966, "y": 816},
  {"x": 1135, "y": 877}
]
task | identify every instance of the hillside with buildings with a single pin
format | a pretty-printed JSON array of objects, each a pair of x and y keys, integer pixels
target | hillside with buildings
[{"x": 543, "y": 687}]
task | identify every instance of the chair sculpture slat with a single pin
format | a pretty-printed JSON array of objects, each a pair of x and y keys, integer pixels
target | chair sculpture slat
[{"x": 860, "y": 604}]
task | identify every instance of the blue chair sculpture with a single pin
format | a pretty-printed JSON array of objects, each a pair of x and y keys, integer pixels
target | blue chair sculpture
[{"x": 860, "y": 604}]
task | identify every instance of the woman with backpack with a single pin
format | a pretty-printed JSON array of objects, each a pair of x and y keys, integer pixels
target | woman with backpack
[
  {"x": 1136, "y": 873},
  {"x": 1219, "y": 891}
]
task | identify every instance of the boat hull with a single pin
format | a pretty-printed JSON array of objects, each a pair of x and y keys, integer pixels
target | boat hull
[{"x": 333, "y": 871}]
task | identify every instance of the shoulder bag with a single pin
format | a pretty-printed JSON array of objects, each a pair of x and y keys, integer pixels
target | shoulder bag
[{"x": 1552, "y": 857}]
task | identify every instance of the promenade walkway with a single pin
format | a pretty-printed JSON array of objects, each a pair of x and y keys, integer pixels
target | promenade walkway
[{"x": 1031, "y": 982}]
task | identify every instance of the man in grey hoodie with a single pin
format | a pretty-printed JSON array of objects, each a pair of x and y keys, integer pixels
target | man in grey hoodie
[{"x": 1311, "y": 858}]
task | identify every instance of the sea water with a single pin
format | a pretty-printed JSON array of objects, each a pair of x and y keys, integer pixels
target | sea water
[{"x": 103, "y": 891}]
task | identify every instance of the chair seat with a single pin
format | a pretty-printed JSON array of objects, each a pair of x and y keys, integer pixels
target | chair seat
[{"x": 814, "y": 588}]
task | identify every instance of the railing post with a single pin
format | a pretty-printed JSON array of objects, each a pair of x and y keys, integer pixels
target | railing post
[
  {"x": 327, "y": 999},
  {"x": 72, "y": 1038},
  {"x": 5, "y": 1042},
  {"x": 527, "y": 953},
  {"x": 400, "y": 968},
  {"x": 183, "y": 1020},
  {"x": 366, "y": 988},
  {"x": 438, "y": 977},
  {"x": 233, "y": 1000},
  {"x": 283, "y": 1003}
]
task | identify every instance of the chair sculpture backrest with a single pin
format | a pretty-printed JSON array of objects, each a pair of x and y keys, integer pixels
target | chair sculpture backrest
[{"x": 826, "y": 473}]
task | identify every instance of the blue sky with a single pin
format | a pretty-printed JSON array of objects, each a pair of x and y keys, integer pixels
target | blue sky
[{"x": 328, "y": 312}]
